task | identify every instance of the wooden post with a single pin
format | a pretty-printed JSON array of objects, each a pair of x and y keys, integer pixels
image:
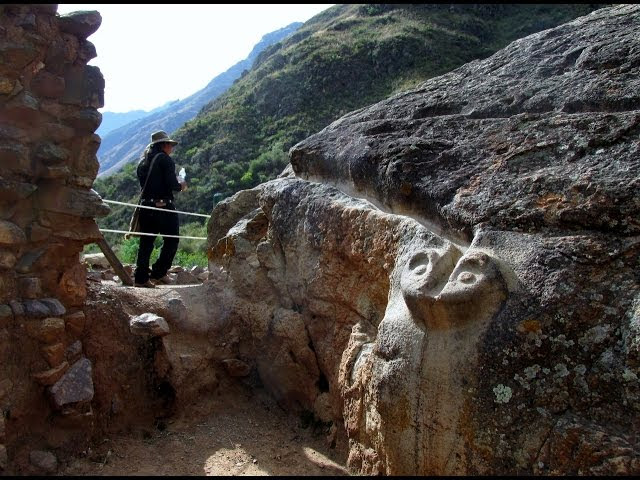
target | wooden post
[{"x": 115, "y": 263}]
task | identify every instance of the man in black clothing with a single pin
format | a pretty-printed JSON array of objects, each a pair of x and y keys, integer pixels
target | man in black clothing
[{"x": 157, "y": 191}]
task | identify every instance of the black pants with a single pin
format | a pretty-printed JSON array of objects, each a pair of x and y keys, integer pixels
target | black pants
[{"x": 164, "y": 223}]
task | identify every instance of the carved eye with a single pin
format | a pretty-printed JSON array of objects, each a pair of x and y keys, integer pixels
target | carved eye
[
  {"x": 466, "y": 277},
  {"x": 420, "y": 270},
  {"x": 419, "y": 264}
]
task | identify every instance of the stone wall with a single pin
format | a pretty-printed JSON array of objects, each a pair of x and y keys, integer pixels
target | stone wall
[{"x": 49, "y": 98}]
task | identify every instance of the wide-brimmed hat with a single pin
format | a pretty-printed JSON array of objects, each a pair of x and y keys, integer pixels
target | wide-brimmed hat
[{"x": 161, "y": 137}]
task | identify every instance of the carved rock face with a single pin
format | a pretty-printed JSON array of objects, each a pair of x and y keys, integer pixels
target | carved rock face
[
  {"x": 426, "y": 273},
  {"x": 473, "y": 291},
  {"x": 411, "y": 375},
  {"x": 512, "y": 345}
]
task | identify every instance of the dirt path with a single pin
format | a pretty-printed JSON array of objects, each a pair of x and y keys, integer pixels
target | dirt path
[{"x": 240, "y": 434}]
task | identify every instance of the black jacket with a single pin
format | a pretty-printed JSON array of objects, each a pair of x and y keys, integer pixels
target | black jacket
[{"x": 162, "y": 181}]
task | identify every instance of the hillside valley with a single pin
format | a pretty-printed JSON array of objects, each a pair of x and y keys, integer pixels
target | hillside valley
[{"x": 124, "y": 143}]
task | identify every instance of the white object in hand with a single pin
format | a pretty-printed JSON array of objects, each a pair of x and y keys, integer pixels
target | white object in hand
[{"x": 182, "y": 175}]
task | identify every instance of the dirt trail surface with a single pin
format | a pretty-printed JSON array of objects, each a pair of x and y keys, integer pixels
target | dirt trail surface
[{"x": 237, "y": 433}]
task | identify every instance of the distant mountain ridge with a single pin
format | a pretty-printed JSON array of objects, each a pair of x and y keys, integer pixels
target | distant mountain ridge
[
  {"x": 114, "y": 120},
  {"x": 124, "y": 143}
]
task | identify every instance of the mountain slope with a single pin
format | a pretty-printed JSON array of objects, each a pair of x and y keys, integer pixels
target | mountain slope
[
  {"x": 114, "y": 120},
  {"x": 124, "y": 144},
  {"x": 345, "y": 58}
]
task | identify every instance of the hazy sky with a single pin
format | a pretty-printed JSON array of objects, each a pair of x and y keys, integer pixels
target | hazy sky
[{"x": 152, "y": 54}]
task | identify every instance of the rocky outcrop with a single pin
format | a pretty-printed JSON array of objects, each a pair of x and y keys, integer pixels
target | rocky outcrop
[
  {"x": 452, "y": 276},
  {"x": 49, "y": 98}
]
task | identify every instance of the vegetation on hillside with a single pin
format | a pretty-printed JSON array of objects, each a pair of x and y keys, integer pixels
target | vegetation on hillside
[{"x": 345, "y": 58}]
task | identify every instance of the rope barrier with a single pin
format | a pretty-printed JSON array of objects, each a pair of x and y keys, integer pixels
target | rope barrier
[
  {"x": 133, "y": 234},
  {"x": 155, "y": 208}
]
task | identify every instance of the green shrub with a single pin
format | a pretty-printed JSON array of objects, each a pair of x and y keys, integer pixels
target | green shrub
[
  {"x": 127, "y": 251},
  {"x": 190, "y": 251},
  {"x": 193, "y": 246},
  {"x": 187, "y": 259}
]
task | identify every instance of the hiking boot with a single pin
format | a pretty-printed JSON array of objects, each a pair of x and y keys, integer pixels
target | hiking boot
[{"x": 147, "y": 284}]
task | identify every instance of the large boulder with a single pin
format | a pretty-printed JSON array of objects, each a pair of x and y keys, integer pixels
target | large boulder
[
  {"x": 536, "y": 138},
  {"x": 460, "y": 289}
]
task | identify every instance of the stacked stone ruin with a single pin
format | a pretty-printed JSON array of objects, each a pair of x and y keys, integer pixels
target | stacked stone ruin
[{"x": 49, "y": 98}]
